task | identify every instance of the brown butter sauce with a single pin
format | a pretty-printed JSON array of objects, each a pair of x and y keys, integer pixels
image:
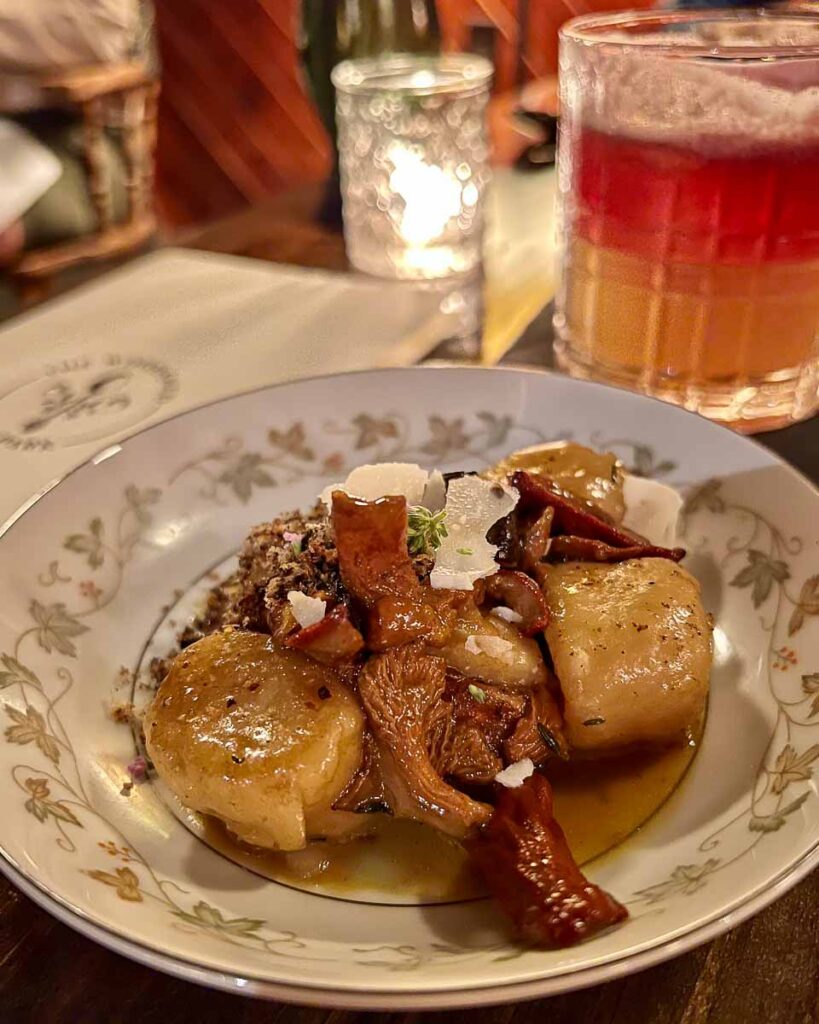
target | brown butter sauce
[{"x": 599, "y": 804}]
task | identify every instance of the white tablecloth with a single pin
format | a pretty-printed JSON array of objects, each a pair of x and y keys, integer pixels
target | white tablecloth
[
  {"x": 179, "y": 328},
  {"x": 174, "y": 330}
]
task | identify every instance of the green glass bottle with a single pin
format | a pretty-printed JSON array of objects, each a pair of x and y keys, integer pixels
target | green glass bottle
[{"x": 335, "y": 30}]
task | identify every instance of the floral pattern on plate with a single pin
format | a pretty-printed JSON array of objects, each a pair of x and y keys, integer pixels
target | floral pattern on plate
[{"x": 132, "y": 528}]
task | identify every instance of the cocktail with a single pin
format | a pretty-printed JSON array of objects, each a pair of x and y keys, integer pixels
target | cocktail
[{"x": 689, "y": 182}]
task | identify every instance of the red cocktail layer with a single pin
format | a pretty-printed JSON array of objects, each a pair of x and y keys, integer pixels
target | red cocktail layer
[{"x": 685, "y": 204}]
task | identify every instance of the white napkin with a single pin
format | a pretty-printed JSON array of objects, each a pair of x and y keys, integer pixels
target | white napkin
[
  {"x": 27, "y": 171},
  {"x": 177, "y": 329}
]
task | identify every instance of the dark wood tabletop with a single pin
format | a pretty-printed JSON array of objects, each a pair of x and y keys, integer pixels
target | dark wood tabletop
[{"x": 766, "y": 971}]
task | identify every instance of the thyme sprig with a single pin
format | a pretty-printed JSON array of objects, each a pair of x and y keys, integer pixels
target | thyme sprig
[{"x": 426, "y": 530}]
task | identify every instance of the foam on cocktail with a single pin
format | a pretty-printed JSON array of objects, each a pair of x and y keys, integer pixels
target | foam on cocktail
[{"x": 700, "y": 102}]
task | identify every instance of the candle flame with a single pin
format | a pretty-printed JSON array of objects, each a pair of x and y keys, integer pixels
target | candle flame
[{"x": 432, "y": 196}]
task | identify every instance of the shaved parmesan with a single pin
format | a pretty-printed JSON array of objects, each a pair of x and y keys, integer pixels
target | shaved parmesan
[
  {"x": 516, "y": 774},
  {"x": 492, "y": 646},
  {"x": 307, "y": 611},
  {"x": 435, "y": 492},
  {"x": 652, "y": 510},
  {"x": 473, "y": 506},
  {"x": 403, "y": 479},
  {"x": 507, "y": 614}
]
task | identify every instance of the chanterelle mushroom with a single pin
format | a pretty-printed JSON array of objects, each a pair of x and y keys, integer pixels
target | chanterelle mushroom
[
  {"x": 371, "y": 539},
  {"x": 401, "y": 691}
]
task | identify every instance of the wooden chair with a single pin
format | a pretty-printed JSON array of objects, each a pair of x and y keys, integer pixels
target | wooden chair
[{"x": 116, "y": 95}]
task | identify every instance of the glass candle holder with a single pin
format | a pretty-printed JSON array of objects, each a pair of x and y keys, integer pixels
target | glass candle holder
[{"x": 414, "y": 163}]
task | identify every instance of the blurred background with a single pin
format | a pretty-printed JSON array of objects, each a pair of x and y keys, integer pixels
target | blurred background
[
  {"x": 252, "y": 130},
  {"x": 124, "y": 124}
]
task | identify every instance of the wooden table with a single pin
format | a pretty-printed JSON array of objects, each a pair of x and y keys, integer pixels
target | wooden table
[{"x": 764, "y": 972}]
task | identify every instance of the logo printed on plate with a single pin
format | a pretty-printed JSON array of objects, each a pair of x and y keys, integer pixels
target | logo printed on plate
[{"x": 75, "y": 401}]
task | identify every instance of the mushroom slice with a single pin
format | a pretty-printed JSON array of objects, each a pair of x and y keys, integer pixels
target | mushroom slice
[
  {"x": 577, "y": 518},
  {"x": 537, "y": 539},
  {"x": 584, "y": 549},
  {"x": 331, "y": 640},
  {"x": 526, "y": 863},
  {"x": 539, "y": 733},
  {"x": 519, "y": 592},
  {"x": 469, "y": 749},
  {"x": 371, "y": 539},
  {"x": 366, "y": 793},
  {"x": 401, "y": 691},
  {"x": 395, "y": 621}
]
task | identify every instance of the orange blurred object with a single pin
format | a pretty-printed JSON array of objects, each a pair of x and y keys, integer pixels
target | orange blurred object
[
  {"x": 539, "y": 51},
  {"x": 511, "y": 135},
  {"x": 531, "y": 60}
]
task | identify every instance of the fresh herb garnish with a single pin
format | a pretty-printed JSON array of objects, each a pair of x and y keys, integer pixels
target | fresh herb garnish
[
  {"x": 476, "y": 693},
  {"x": 465, "y": 551},
  {"x": 425, "y": 530},
  {"x": 550, "y": 741}
]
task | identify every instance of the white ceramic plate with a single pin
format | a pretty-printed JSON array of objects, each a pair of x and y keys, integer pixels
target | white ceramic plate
[{"x": 86, "y": 569}]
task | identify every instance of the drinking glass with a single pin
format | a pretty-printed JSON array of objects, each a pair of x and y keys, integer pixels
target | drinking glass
[
  {"x": 414, "y": 163},
  {"x": 688, "y": 177}
]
